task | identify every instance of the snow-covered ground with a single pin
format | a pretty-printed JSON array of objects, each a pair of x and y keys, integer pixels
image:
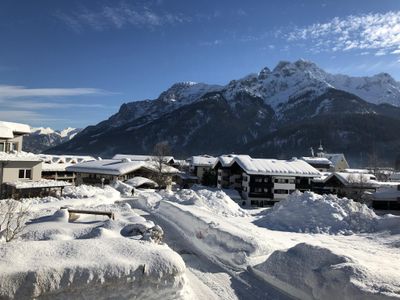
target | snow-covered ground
[
  {"x": 91, "y": 257},
  {"x": 307, "y": 247}
]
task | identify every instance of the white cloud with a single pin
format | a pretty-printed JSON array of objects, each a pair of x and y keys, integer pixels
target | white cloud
[
  {"x": 26, "y": 116},
  {"x": 380, "y": 32},
  {"x": 118, "y": 16},
  {"x": 11, "y": 91}
]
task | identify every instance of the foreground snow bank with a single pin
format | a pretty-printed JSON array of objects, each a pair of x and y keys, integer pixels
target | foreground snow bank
[
  {"x": 229, "y": 244},
  {"x": 310, "y": 212},
  {"x": 90, "y": 269},
  {"x": 312, "y": 272}
]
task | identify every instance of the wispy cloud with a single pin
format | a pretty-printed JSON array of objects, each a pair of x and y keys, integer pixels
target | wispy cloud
[
  {"x": 119, "y": 16},
  {"x": 26, "y": 116},
  {"x": 12, "y": 91},
  {"x": 33, "y": 105},
  {"x": 376, "y": 32}
]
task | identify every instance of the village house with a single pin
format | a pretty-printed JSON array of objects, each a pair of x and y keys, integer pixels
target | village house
[
  {"x": 322, "y": 164},
  {"x": 11, "y": 136},
  {"x": 387, "y": 196},
  {"x": 20, "y": 172},
  {"x": 55, "y": 166},
  {"x": 200, "y": 164},
  {"x": 106, "y": 171},
  {"x": 346, "y": 184},
  {"x": 263, "y": 182},
  {"x": 327, "y": 162}
]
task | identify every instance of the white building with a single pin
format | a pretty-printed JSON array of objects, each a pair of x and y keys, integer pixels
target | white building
[
  {"x": 105, "y": 171},
  {"x": 263, "y": 181}
]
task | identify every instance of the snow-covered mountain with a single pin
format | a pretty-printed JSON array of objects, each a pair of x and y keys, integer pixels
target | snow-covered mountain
[
  {"x": 239, "y": 116},
  {"x": 43, "y": 138}
]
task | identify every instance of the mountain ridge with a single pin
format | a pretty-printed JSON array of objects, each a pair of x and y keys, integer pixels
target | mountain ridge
[
  {"x": 256, "y": 105},
  {"x": 42, "y": 138}
]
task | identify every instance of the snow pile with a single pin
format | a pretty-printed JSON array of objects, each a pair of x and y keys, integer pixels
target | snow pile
[
  {"x": 90, "y": 269},
  {"x": 123, "y": 188},
  {"x": 88, "y": 191},
  {"x": 146, "y": 200},
  {"x": 310, "y": 212},
  {"x": 210, "y": 234},
  {"x": 139, "y": 181},
  {"x": 311, "y": 272},
  {"x": 213, "y": 199},
  {"x": 63, "y": 255}
]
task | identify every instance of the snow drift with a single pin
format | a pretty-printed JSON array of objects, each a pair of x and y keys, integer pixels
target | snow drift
[
  {"x": 311, "y": 272},
  {"x": 90, "y": 269},
  {"x": 214, "y": 200},
  {"x": 313, "y": 213}
]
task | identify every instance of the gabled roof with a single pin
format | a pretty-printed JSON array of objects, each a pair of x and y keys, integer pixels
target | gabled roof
[
  {"x": 225, "y": 160},
  {"x": 116, "y": 167},
  {"x": 134, "y": 157},
  {"x": 354, "y": 178},
  {"x": 9, "y": 129},
  {"x": 262, "y": 166}
]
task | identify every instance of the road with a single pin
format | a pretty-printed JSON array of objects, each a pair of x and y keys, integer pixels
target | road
[{"x": 208, "y": 277}]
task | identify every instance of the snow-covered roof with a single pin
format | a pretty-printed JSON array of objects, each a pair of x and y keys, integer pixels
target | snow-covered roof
[
  {"x": 134, "y": 157},
  {"x": 44, "y": 183},
  {"x": 202, "y": 160},
  {"x": 354, "y": 178},
  {"x": 357, "y": 171},
  {"x": 317, "y": 160},
  {"x": 116, "y": 167},
  {"x": 18, "y": 156},
  {"x": 262, "y": 166},
  {"x": 386, "y": 194},
  {"x": 67, "y": 159},
  {"x": 335, "y": 158},
  {"x": 225, "y": 160},
  {"x": 8, "y": 129},
  {"x": 6, "y": 133}
]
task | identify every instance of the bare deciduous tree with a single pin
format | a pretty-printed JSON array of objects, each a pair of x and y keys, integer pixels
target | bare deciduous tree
[
  {"x": 359, "y": 181},
  {"x": 13, "y": 216},
  {"x": 160, "y": 152}
]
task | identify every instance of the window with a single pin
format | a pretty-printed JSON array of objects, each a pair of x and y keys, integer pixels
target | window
[
  {"x": 258, "y": 190},
  {"x": 25, "y": 173},
  {"x": 266, "y": 179},
  {"x": 283, "y": 180},
  {"x": 258, "y": 179},
  {"x": 265, "y": 190},
  {"x": 245, "y": 178},
  {"x": 2, "y": 148},
  {"x": 278, "y": 191}
]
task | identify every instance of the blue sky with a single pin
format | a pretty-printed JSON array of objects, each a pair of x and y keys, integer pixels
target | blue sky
[{"x": 73, "y": 63}]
